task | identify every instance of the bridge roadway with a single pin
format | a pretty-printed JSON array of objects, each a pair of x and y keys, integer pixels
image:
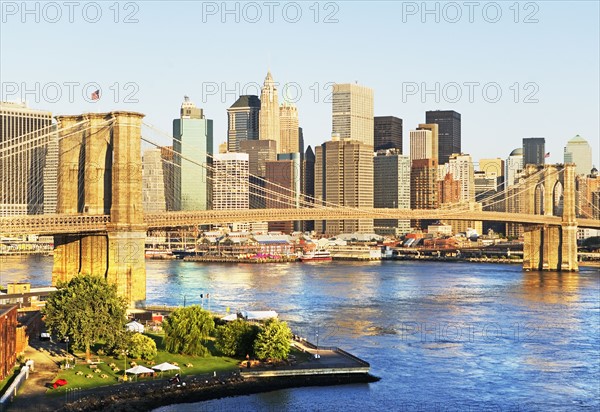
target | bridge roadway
[{"x": 62, "y": 224}]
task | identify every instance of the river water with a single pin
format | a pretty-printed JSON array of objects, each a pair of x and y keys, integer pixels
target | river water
[{"x": 442, "y": 336}]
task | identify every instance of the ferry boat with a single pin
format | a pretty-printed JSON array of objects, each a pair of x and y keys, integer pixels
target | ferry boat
[{"x": 318, "y": 255}]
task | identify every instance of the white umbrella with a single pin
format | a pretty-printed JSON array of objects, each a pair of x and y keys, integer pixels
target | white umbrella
[
  {"x": 136, "y": 370},
  {"x": 165, "y": 366}
]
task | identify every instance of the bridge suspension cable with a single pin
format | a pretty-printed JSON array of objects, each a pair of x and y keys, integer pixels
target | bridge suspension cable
[{"x": 290, "y": 199}]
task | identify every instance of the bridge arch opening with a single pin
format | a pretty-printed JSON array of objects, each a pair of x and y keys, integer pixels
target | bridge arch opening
[
  {"x": 538, "y": 205},
  {"x": 557, "y": 199}
]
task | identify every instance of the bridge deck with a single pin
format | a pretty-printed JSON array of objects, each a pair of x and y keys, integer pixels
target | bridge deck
[{"x": 58, "y": 224}]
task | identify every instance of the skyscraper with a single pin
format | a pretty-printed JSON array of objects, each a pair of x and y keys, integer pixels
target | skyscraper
[
  {"x": 269, "y": 125},
  {"x": 283, "y": 188},
  {"x": 514, "y": 166},
  {"x": 391, "y": 189},
  {"x": 192, "y": 143},
  {"x": 461, "y": 168},
  {"x": 493, "y": 169},
  {"x": 534, "y": 151},
  {"x": 289, "y": 141},
  {"x": 435, "y": 130},
  {"x": 449, "y": 136},
  {"x": 153, "y": 182},
  {"x": 387, "y": 133},
  {"x": 29, "y": 131},
  {"x": 448, "y": 190},
  {"x": 423, "y": 187},
  {"x": 259, "y": 153},
  {"x": 168, "y": 163},
  {"x": 579, "y": 151},
  {"x": 421, "y": 144},
  {"x": 242, "y": 121},
  {"x": 231, "y": 185},
  {"x": 308, "y": 183},
  {"x": 353, "y": 112},
  {"x": 51, "y": 175},
  {"x": 344, "y": 177}
]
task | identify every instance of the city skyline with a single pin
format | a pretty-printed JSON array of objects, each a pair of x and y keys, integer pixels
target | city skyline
[
  {"x": 495, "y": 57},
  {"x": 332, "y": 205}
]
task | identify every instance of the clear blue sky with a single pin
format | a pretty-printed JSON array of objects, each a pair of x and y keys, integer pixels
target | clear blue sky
[{"x": 182, "y": 48}]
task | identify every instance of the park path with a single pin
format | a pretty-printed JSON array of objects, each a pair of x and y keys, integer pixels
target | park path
[{"x": 32, "y": 397}]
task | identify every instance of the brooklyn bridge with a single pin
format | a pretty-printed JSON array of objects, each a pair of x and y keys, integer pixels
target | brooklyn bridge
[{"x": 100, "y": 226}]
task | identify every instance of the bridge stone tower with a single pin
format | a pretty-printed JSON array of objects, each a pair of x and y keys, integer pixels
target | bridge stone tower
[
  {"x": 552, "y": 248},
  {"x": 100, "y": 174}
]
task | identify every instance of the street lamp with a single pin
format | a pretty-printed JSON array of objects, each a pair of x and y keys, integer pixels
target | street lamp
[
  {"x": 125, "y": 352},
  {"x": 67, "y": 362},
  {"x": 317, "y": 356}
]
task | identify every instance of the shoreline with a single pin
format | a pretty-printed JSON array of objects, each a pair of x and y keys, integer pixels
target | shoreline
[{"x": 147, "y": 396}]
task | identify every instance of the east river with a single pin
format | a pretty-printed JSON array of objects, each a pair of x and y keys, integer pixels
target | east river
[{"x": 443, "y": 337}]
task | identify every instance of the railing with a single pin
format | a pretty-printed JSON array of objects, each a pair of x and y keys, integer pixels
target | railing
[
  {"x": 53, "y": 224},
  {"x": 60, "y": 223},
  {"x": 11, "y": 391}
]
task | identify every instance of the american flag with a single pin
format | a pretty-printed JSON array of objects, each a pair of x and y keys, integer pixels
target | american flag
[
  {"x": 547, "y": 155},
  {"x": 96, "y": 95}
]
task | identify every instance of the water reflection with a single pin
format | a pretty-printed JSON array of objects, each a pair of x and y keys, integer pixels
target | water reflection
[
  {"x": 442, "y": 336},
  {"x": 550, "y": 287}
]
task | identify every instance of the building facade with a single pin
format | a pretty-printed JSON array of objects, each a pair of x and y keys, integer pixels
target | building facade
[
  {"x": 352, "y": 115},
  {"x": 289, "y": 141},
  {"x": 153, "y": 182},
  {"x": 259, "y": 153},
  {"x": 50, "y": 176},
  {"x": 29, "y": 132},
  {"x": 231, "y": 186},
  {"x": 308, "y": 184},
  {"x": 269, "y": 125},
  {"x": 167, "y": 155},
  {"x": 8, "y": 339},
  {"x": 461, "y": 168},
  {"x": 514, "y": 167},
  {"x": 579, "y": 151},
  {"x": 449, "y": 136},
  {"x": 193, "y": 147},
  {"x": 344, "y": 177},
  {"x": 534, "y": 151},
  {"x": 387, "y": 133},
  {"x": 434, "y": 129},
  {"x": 448, "y": 190},
  {"x": 283, "y": 188},
  {"x": 242, "y": 121},
  {"x": 391, "y": 189},
  {"x": 423, "y": 187},
  {"x": 421, "y": 144}
]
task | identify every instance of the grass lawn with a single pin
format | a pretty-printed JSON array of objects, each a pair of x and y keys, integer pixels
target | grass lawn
[{"x": 200, "y": 366}]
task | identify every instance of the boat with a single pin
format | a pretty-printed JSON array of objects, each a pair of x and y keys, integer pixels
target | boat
[
  {"x": 159, "y": 254},
  {"x": 318, "y": 255}
]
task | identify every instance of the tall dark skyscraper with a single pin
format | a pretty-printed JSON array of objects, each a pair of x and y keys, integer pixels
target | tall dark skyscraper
[
  {"x": 449, "y": 132},
  {"x": 308, "y": 184},
  {"x": 534, "y": 150},
  {"x": 388, "y": 133},
  {"x": 242, "y": 119}
]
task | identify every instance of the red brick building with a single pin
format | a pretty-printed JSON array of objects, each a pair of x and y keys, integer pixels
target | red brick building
[
  {"x": 8, "y": 339},
  {"x": 448, "y": 190}
]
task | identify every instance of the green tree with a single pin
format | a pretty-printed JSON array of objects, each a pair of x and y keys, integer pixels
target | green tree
[
  {"x": 236, "y": 338},
  {"x": 186, "y": 329},
  {"x": 86, "y": 309},
  {"x": 273, "y": 341},
  {"x": 142, "y": 347}
]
